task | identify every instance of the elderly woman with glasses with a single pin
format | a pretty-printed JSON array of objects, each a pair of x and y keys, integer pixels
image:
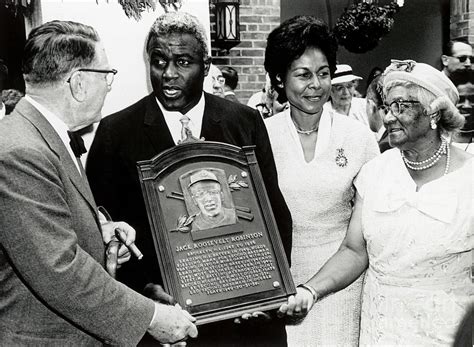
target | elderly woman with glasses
[{"x": 412, "y": 227}]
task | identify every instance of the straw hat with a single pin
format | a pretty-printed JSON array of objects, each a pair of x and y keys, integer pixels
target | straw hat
[{"x": 344, "y": 74}]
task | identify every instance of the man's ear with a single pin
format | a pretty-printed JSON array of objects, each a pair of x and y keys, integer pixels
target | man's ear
[
  {"x": 207, "y": 65},
  {"x": 444, "y": 60},
  {"x": 77, "y": 85}
]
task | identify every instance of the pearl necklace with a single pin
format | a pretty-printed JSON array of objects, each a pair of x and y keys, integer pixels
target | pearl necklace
[
  {"x": 431, "y": 161},
  {"x": 305, "y": 132}
]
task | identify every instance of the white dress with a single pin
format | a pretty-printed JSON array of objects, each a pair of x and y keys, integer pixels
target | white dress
[
  {"x": 319, "y": 195},
  {"x": 417, "y": 288}
]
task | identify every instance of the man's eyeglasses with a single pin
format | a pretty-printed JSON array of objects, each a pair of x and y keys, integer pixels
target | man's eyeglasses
[
  {"x": 109, "y": 77},
  {"x": 463, "y": 58},
  {"x": 219, "y": 79},
  {"x": 398, "y": 106}
]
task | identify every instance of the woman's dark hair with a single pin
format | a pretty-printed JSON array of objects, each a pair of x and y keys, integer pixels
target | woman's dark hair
[{"x": 288, "y": 42}]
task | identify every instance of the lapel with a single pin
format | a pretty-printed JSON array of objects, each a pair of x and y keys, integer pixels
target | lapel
[
  {"x": 155, "y": 127},
  {"x": 211, "y": 121},
  {"x": 57, "y": 146}
]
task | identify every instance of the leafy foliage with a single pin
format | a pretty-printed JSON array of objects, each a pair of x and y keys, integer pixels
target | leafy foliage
[
  {"x": 362, "y": 25},
  {"x": 18, "y": 6},
  {"x": 134, "y": 8}
]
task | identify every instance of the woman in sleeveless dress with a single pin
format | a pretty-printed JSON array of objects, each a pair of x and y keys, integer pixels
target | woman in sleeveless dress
[{"x": 318, "y": 154}]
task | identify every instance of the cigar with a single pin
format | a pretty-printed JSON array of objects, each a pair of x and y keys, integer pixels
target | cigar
[{"x": 133, "y": 249}]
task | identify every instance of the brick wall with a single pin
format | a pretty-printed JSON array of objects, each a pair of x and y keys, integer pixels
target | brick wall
[
  {"x": 462, "y": 20},
  {"x": 257, "y": 19}
]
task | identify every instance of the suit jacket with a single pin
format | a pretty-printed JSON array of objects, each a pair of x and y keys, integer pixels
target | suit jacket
[
  {"x": 139, "y": 132},
  {"x": 53, "y": 288}
]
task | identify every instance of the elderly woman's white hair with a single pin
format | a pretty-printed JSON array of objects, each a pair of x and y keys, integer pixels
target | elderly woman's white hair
[{"x": 432, "y": 88}]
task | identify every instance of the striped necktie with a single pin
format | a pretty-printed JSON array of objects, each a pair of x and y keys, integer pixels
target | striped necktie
[{"x": 185, "y": 131}]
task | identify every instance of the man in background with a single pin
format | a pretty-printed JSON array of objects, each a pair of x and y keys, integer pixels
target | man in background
[
  {"x": 231, "y": 79},
  {"x": 464, "y": 83},
  {"x": 214, "y": 81},
  {"x": 456, "y": 57},
  {"x": 54, "y": 290},
  {"x": 177, "y": 51}
]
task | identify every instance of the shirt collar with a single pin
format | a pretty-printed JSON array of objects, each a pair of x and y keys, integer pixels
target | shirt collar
[
  {"x": 58, "y": 125},
  {"x": 174, "y": 125}
]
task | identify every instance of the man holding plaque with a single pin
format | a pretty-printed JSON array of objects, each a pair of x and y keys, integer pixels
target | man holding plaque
[
  {"x": 54, "y": 290},
  {"x": 177, "y": 52}
]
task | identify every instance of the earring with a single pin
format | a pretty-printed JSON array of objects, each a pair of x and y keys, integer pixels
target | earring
[{"x": 433, "y": 124}]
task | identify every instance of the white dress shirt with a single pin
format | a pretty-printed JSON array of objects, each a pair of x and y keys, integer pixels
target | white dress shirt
[
  {"x": 58, "y": 125},
  {"x": 195, "y": 119}
]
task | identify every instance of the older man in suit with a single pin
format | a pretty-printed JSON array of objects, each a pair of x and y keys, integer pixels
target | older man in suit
[
  {"x": 54, "y": 290},
  {"x": 178, "y": 56}
]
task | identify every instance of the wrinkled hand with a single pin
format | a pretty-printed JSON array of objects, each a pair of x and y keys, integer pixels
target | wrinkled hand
[
  {"x": 443, "y": 104},
  {"x": 108, "y": 231},
  {"x": 108, "y": 235},
  {"x": 157, "y": 293},
  {"x": 172, "y": 324},
  {"x": 255, "y": 317},
  {"x": 297, "y": 306}
]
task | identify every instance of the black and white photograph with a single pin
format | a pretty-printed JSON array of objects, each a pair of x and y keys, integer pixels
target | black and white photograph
[{"x": 285, "y": 173}]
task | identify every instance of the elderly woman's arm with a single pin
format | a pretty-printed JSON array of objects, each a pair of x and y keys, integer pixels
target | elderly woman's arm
[{"x": 343, "y": 268}]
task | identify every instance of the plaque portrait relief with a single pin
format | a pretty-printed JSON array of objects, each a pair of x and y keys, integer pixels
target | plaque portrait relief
[
  {"x": 208, "y": 199},
  {"x": 214, "y": 233}
]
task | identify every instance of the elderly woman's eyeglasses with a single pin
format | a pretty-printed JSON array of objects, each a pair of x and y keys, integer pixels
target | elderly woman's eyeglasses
[
  {"x": 398, "y": 106},
  {"x": 109, "y": 77}
]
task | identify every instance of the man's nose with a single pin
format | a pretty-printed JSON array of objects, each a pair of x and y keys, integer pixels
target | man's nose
[{"x": 170, "y": 71}]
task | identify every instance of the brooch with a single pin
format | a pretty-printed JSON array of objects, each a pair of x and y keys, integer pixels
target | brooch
[{"x": 341, "y": 159}]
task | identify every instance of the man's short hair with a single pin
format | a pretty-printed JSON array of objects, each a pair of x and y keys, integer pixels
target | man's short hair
[
  {"x": 55, "y": 48},
  {"x": 448, "y": 47},
  {"x": 179, "y": 23},
  {"x": 231, "y": 76}
]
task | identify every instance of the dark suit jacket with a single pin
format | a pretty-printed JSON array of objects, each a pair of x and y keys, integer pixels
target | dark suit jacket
[
  {"x": 139, "y": 132},
  {"x": 53, "y": 288}
]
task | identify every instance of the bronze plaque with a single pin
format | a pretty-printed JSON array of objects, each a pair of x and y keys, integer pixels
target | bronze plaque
[{"x": 215, "y": 235}]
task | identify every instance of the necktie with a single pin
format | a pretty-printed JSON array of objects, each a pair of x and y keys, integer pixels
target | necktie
[
  {"x": 77, "y": 143},
  {"x": 185, "y": 131}
]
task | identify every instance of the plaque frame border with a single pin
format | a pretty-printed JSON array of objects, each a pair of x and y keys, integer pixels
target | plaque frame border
[{"x": 149, "y": 170}]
